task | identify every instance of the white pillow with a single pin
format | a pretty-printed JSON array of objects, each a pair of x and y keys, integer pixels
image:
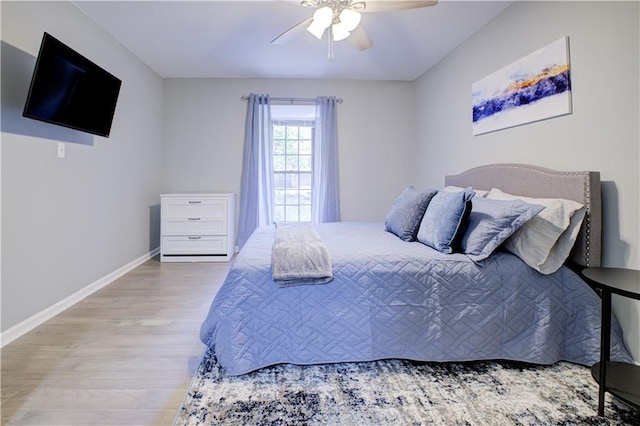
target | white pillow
[{"x": 545, "y": 242}]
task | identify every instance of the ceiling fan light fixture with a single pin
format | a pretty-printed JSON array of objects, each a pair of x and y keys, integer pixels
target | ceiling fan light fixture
[
  {"x": 322, "y": 19},
  {"x": 350, "y": 19},
  {"x": 316, "y": 30},
  {"x": 340, "y": 31}
]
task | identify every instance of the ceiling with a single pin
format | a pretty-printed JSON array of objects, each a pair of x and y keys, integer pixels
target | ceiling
[{"x": 231, "y": 39}]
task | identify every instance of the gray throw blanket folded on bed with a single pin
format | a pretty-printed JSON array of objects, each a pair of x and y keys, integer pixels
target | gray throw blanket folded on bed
[{"x": 299, "y": 256}]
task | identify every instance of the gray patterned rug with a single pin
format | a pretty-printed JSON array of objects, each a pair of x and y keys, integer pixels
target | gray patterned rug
[{"x": 396, "y": 392}]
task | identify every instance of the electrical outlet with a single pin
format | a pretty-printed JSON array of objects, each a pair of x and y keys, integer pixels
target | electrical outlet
[{"x": 61, "y": 150}]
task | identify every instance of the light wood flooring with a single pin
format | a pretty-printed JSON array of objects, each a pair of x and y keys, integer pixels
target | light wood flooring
[{"x": 123, "y": 356}]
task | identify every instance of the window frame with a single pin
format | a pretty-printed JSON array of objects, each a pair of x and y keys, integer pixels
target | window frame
[{"x": 298, "y": 211}]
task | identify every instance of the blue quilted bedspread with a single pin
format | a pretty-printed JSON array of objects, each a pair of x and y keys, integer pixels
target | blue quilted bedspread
[{"x": 395, "y": 299}]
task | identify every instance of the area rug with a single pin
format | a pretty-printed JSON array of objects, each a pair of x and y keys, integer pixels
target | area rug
[{"x": 399, "y": 392}]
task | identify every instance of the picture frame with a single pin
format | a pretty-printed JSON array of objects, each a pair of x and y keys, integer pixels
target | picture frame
[{"x": 533, "y": 88}]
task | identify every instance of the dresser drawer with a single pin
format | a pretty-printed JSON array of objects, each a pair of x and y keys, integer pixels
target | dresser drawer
[
  {"x": 194, "y": 245},
  {"x": 194, "y": 206},
  {"x": 195, "y": 225}
]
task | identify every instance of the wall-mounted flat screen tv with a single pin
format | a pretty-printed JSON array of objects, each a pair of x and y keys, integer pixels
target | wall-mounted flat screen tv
[{"x": 69, "y": 90}]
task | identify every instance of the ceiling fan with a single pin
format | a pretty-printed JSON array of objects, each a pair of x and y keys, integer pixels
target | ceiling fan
[{"x": 341, "y": 20}]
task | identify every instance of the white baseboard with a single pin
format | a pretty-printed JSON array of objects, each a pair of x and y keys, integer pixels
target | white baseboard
[{"x": 32, "y": 322}]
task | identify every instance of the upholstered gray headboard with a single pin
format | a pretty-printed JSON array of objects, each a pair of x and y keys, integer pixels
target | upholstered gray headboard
[{"x": 534, "y": 181}]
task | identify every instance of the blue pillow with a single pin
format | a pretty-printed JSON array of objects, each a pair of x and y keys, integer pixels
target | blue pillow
[
  {"x": 491, "y": 222},
  {"x": 407, "y": 212},
  {"x": 444, "y": 221}
]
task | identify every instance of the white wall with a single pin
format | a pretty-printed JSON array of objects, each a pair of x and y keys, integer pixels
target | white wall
[
  {"x": 204, "y": 133},
  {"x": 602, "y": 133},
  {"x": 69, "y": 222}
]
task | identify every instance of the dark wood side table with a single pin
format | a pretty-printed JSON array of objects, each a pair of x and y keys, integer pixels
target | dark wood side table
[{"x": 620, "y": 379}]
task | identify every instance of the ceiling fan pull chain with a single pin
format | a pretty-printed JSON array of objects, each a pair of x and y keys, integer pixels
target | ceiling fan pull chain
[{"x": 330, "y": 45}]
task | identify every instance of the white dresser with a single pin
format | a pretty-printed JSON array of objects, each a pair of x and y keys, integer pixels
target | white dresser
[{"x": 197, "y": 227}]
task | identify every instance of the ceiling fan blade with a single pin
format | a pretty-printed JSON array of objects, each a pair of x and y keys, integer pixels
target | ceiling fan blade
[
  {"x": 387, "y": 5},
  {"x": 360, "y": 39},
  {"x": 292, "y": 32}
]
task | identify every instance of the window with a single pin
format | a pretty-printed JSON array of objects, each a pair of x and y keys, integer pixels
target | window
[
  {"x": 293, "y": 132},
  {"x": 304, "y": 185},
  {"x": 292, "y": 168}
]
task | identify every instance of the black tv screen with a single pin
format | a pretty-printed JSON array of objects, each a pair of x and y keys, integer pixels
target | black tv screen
[{"x": 69, "y": 90}]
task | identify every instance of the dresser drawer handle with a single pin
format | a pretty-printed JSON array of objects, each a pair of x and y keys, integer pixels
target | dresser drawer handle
[
  {"x": 194, "y": 218},
  {"x": 195, "y": 238},
  {"x": 195, "y": 202}
]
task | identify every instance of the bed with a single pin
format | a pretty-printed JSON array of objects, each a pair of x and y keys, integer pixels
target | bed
[{"x": 390, "y": 298}]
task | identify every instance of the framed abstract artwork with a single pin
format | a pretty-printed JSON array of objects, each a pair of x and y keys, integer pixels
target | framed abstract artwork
[{"x": 530, "y": 89}]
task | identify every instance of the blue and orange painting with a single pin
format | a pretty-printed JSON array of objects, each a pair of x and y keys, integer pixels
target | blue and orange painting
[{"x": 533, "y": 88}]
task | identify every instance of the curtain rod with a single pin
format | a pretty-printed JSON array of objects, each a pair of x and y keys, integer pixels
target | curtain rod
[{"x": 291, "y": 100}]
